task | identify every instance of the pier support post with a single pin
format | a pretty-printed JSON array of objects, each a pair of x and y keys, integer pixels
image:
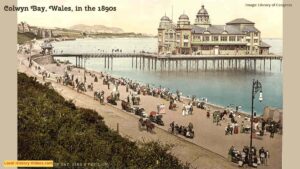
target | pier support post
[
  {"x": 108, "y": 62},
  {"x": 280, "y": 64},
  {"x": 104, "y": 61},
  {"x": 221, "y": 64},
  {"x": 187, "y": 65},
  {"x": 165, "y": 63},
  {"x": 78, "y": 65},
  {"x": 155, "y": 63},
  {"x": 151, "y": 63},
  {"x": 254, "y": 64},
  {"x": 76, "y": 61},
  {"x": 112, "y": 61},
  {"x": 260, "y": 64},
  {"x": 132, "y": 62},
  {"x": 140, "y": 62},
  {"x": 264, "y": 64},
  {"x": 80, "y": 61},
  {"x": 136, "y": 62},
  {"x": 143, "y": 62},
  {"x": 270, "y": 64}
]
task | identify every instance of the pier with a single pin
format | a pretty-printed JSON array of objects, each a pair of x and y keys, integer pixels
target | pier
[{"x": 149, "y": 61}]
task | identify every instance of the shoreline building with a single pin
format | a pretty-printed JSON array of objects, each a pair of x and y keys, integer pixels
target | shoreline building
[
  {"x": 23, "y": 27},
  {"x": 237, "y": 37}
]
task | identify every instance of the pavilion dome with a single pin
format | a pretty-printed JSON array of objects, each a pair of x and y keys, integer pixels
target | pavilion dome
[
  {"x": 202, "y": 11},
  {"x": 183, "y": 17},
  {"x": 165, "y": 18}
]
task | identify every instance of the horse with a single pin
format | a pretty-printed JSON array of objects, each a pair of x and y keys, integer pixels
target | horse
[
  {"x": 146, "y": 123},
  {"x": 81, "y": 87},
  {"x": 126, "y": 106},
  {"x": 111, "y": 100}
]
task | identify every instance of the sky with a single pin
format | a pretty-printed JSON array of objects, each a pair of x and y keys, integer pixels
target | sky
[{"x": 143, "y": 16}]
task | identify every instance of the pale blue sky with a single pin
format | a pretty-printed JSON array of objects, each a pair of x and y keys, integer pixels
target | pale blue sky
[{"x": 144, "y": 15}]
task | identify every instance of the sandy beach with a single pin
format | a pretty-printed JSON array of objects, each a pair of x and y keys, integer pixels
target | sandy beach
[{"x": 208, "y": 149}]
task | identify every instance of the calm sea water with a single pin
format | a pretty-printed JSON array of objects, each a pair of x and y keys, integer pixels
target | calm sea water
[{"x": 220, "y": 87}]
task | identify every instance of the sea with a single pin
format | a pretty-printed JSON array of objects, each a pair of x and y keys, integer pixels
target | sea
[{"x": 228, "y": 88}]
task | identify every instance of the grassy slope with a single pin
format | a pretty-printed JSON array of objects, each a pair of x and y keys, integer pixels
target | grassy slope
[{"x": 49, "y": 127}]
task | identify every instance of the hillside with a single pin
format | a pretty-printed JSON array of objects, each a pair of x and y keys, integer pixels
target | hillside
[
  {"x": 52, "y": 128},
  {"x": 96, "y": 29}
]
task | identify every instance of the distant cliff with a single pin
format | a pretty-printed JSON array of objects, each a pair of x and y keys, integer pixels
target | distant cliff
[{"x": 96, "y": 29}]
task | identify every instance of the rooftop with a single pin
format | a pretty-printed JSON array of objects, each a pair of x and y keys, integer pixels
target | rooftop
[{"x": 240, "y": 21}]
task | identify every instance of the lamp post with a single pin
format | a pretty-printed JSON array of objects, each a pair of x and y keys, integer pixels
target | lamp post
[{"x": 256, "y": 87}]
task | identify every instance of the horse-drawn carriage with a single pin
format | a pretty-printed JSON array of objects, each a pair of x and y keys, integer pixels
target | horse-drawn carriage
[
  {"x": 116, "y": 94},
  {"x": 99, "y": 96},
  {"x": 155, "y": 118},
  {"x": 112, "y": 100},
  {"x": 216, "y": 117},
  {"x": 126, "y": 106},
  {"x": 166, "y": 95},
  {"x": 136, "y": 100},
  {"x": 146, "y": 123},
  {"x": 139, "y": 111},
  {"x": 81, "y": 87},
  {"x": 201, "y": 105},
  {"x": 67, "y": 80}
]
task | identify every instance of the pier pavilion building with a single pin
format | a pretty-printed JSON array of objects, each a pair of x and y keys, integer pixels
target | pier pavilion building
[{"x": 237, "y": 37}]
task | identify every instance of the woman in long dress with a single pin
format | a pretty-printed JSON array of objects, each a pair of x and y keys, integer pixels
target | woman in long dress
[{"x": 183, "y": 110}]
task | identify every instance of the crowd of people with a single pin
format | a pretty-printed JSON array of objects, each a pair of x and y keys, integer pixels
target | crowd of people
[
  {"x": 186, "y": 131},
  {"x": 248, "y": 156}
]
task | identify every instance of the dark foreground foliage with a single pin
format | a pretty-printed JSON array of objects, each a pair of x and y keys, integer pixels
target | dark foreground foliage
[{"x": 51, "y": 128}]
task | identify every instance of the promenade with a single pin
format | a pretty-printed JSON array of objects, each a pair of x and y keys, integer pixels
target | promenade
[{"x": 209, "y": 137}]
